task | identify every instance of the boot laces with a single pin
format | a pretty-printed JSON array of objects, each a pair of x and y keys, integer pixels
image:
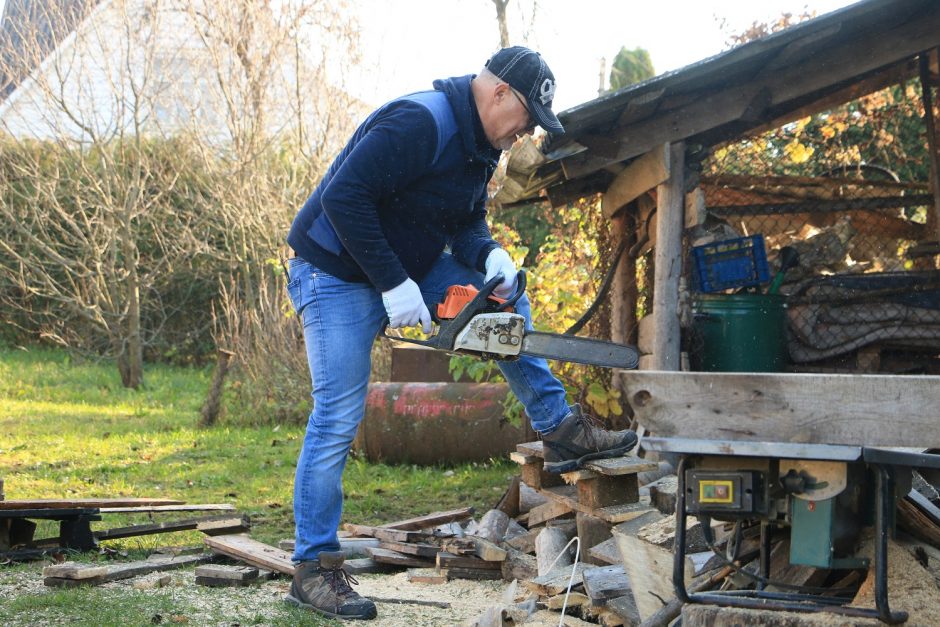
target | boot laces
[
  {"x": 593, "y": 427},
  {"x": 339, "y": 581}
]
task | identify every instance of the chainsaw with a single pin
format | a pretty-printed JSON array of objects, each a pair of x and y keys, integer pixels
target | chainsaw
[{"x": 475, "y": 322}]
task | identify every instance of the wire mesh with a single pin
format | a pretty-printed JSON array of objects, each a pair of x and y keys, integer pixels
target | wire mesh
[{"x": 846, "y": 193}]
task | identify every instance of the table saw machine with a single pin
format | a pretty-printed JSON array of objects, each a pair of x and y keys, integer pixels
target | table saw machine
[{"x": 826, "y": 494}]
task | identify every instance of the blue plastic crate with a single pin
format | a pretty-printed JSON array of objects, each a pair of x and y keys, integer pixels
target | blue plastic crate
[{"x": 733, "y": 263}]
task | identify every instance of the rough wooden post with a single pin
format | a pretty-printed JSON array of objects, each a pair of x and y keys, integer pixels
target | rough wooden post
[
  {"x": 623, "y": 293},
  {"x": 670, "y": 206},
  {"x": 210, "y": 410},
  {"x": 933, "y": 217}
]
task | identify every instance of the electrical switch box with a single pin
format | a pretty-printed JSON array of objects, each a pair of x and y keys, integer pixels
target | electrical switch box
[{"x": 735, "y": 494}]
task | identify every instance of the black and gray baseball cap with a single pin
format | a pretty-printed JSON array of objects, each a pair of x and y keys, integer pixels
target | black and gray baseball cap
[{"x": 526, "y": 71}]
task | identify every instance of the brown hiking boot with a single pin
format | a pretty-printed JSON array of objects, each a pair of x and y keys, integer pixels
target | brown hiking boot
[
  {"x": 323, "y": 586},
  {"x": 580, "y": 438}
]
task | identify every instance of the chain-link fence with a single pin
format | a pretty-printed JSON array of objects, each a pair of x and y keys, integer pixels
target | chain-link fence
[{"x": 844, "y": 199}]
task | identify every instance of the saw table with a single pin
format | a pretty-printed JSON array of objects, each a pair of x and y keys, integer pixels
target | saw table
[{"x": 826, "y": 494}]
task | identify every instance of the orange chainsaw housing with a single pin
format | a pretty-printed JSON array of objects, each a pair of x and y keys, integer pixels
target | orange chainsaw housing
[{"x": 457, "y": 297}]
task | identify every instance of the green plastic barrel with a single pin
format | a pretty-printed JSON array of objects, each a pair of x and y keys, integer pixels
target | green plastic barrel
[{"x": 740, "y": 333}]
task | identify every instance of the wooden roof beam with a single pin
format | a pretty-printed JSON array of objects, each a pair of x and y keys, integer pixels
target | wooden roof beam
[{"x": 844, "y": 62}]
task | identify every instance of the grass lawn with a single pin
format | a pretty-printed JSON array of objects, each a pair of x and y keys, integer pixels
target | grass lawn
[{"x": 69, "y": 430}]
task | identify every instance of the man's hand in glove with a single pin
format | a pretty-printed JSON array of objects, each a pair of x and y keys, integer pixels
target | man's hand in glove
[
  {"x": 499, "y": 262},
  {"x": 405, "y": 307}
]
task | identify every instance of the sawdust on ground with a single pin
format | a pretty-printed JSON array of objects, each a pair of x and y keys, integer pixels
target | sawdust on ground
[{"x": 259, "y": 604}]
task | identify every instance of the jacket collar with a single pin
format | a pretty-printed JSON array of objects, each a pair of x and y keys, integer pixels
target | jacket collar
[{"x": 469, "y": 125}]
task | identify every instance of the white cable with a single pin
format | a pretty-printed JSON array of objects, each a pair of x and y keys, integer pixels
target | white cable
[{"x": 574, "y": 569}]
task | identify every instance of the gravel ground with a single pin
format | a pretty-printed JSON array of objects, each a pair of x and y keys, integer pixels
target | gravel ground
[{"x": 183, "y": 602}]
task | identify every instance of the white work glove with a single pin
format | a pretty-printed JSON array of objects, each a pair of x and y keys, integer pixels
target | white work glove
[
  {"x": 499, "y": 262},
  {"x": 405, "y": 307}
]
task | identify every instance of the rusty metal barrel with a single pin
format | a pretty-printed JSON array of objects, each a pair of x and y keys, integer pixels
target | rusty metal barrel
[{"x": 428, "y": 423}]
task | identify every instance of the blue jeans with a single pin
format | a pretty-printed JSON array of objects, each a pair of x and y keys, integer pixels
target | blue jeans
[{"x": 341, "y": 321}]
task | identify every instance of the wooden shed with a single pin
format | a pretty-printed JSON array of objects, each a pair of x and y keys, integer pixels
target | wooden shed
[{"x": 714, "y": 152}]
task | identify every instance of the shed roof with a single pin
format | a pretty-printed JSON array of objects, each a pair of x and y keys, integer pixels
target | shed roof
[{"x": 801, "y": 70}]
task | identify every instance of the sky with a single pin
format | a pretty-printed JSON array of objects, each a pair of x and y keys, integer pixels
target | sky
[
  {"x": 409, "y": 43},
  {"x": 406, "y": 44}
]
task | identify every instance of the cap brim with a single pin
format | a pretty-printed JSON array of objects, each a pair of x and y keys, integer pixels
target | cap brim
[{"x": 545, "y": 118}]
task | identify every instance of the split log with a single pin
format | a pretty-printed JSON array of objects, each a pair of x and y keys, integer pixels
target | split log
[
  {"x": 509, "y": 503},
  {"x": 519, "y": 566},
  {"x": 525, "y": 542},
  {"x": 663, "y": 494},
  {"x": 493, "y": 526},
  {"x": 550, "y": 550}
]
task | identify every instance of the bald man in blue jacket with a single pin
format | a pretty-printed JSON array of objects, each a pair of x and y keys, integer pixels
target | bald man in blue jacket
[{"x": 399, "y": 217}]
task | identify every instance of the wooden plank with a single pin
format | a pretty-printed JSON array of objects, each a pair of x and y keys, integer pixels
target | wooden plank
[
  {"x": 869, "y": 410},
  {"x": 426, "y": 575},
  {"x": 147, "y": 509},
  {"x": 385, "y": 556},
  {"x": 449, "y": 560},
  {"x": 916, "y": 522},
  {"x": 225, "y": 571},
  {"x": 567, "y": 496},
  {"x": 431, "y": 520},
  {"x": 522, "y": 458},
  {"x": 592, "y": 531},
  {"x": 606, "y": 552},
  {"x": 386, "y": 535},
  {"x": 603, "y": 583},
  {"x": 84, "y": 503},
  {"x": 480, "y": 547},
  {"x": 670, "y": 212},
  {"x": 250, "y": 551},
  {"x": 486, "y": 550},
  {"x": 642, "y": 175},
  {"x": 556, "y": 581},
  {"x": 614, "y": 467},
  {"x": 604, "y": 491},
  {"x": 531, "y": 449},
  {"x": 114, "y": 572},
  {"x": 206, "y": 524},
  {"x": 575, "y": 599},
  {"x": 553, "y": 509},
  {"x": 649, "y": 569},
  {"x": 366, "y": 566},
  {"x": 472, "y": 573},
  {"x": 419, "y": 550},
  {"x": 74, "y": 570}
]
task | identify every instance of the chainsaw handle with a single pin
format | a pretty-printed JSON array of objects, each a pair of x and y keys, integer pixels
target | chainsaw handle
[{"x": 520, "y": 290}]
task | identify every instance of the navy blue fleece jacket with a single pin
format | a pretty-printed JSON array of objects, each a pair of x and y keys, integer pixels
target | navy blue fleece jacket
[{"x": 403, "y": 188}]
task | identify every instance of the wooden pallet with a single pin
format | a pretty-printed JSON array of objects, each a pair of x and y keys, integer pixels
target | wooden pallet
[{"x": 606, "y": 488}]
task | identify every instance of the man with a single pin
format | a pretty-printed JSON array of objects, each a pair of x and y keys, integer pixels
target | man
[{"x": 397, "y": 219}]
